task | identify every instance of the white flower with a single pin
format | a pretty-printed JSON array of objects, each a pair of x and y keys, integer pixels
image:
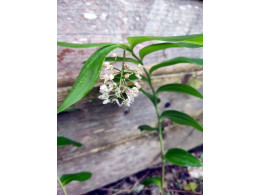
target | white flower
[
  {"x": 106, "y": 101},
  {"x": 140, "y": 66},
  {"x": 111, "y": 77},
  {"x": 128, "y": 92},
  {"x": 118, "y": 92},
  {"x": 138, "y": 76},
  {"x": 137, "y": 85},
  {"x": 112, "y": 93},
  {"x": 139, "y": 72},
  {"x": 103, "y": 96},
  {"x": 135, "y": 91},
  {"x": 103, "y": 88},
  {"x": 108, "y": 77},
  {"x": 114, "y": 55},
  {"x": 114, "y": 85},
  {"x": 127, "y": 76},
  {"x": 127, "y": 102},
  {"x": 116, "y": 100},
  {"x": 106, "y": 64}
]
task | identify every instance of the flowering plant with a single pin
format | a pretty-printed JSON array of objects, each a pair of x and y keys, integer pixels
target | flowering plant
[{"x": 122, "y": 87}]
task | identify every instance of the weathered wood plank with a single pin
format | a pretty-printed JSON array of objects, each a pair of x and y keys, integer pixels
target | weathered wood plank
[
  {"x": 108, "y": 129},
  {"x": 118, "y": 160}
]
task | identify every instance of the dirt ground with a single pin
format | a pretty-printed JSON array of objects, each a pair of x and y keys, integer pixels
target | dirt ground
[{"x": 180, "y": 181}]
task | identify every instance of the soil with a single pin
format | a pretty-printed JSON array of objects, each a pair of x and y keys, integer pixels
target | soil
[{"x": 178, "y": 181}]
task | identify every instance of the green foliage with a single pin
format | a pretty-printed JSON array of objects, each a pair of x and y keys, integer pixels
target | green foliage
[
  {"x": 88, "y": 45},
  {"x": 156, "y": 47},
  {"x": 177, "y": 61},
  {"x": 82, "y": 176},
  {"x": 120, "y": 59},
  {"x": 63, "y": 141},
  {"x": 181, "y": 88},
  {"x": 196, "y": 39},
  {"x": 181, "y": 157},
  {"x": 181, "y": 118},
  {"x": 147, "y": 128},
  {"x": 150, "y": 96},
  {"x": 88, "y": 76},
  {"x": 69, "y": 110},
  {"x": 152, "y": 180}
]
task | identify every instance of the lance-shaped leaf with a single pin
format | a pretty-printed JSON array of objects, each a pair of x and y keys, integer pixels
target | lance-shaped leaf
[
  {"x": 83, "y": 176},
  {"x": 177, "y": 61},
  {"x": 156, "y": 47},
  {"x": 181, "y": 157},
  {"x": 152, "y": 180},
  {"x": 63, "y": 141},
  {"x": 196, "y": 39},
  {"x": 147, "y": 128},
  {"x": 120, "y": 59},
  {"x": 150, "y": 96},
  {"x": 181, "y": 88},
  {"x": 181, "y": 118},
  {"x": 89, "y": 45},
  {"x": 87, "y": 77},
  {"x": 85, "y": 45}
]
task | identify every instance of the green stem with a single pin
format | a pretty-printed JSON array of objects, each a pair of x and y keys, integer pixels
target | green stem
[
  {"x": 159, "y": 123},
  {"x": 122, "y": 71},
  {"x": 62, "y": 187}
]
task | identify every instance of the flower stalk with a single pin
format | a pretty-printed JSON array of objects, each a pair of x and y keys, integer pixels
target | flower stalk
[
  {"x": 159, "y": 124},
  {"x": 61, "y": 185}
]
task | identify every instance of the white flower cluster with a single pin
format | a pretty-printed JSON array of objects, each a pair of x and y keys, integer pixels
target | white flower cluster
[{"x": 120, "y": 93}]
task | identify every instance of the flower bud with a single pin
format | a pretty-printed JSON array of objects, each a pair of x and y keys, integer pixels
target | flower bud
[
  {"x": 114, "y": 55},
  {"x": 137, "y": 85}
]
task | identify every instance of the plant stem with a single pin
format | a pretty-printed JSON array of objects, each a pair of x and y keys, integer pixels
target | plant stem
[
  {"x": 159, "y": 123},
  {"x": 62, "y": 187},
  {"x": 122, "y": 71}
]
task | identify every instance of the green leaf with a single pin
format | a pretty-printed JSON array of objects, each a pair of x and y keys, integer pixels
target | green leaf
[
  {"x": 156, "y": 47},
  {"x": 150, "y": 96},
  {"x": 88, "y": 45},
  {"x": 196, "y": 39},
  {"x": 192, "y": 186},
  {"x": 147, "y": 128},
  {"x": 87, "y": 77},
  {"x": 181, "y": 118},
  {"x": 63, "y": 141},
  {"x": 120, "y": 59},
  {"x": 152, "y": 180},
  {"x": 181, "y": 157},
  {"x": 69, "y": 110},
  {"x": 83, "y": 176},
  {"x": 176, "y": 87},
  {"x": 177, "y": 60}
]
